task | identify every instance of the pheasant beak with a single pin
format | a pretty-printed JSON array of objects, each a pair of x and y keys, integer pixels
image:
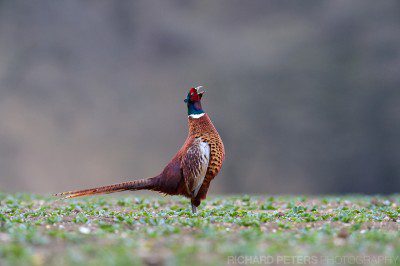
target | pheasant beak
[{"x": 199, "y": 91}]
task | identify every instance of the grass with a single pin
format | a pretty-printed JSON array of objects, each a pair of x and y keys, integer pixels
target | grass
[{"x": 127, "y": 230}]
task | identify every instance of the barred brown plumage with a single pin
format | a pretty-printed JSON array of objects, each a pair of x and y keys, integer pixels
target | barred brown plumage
[{"x": 190, "y": 171}]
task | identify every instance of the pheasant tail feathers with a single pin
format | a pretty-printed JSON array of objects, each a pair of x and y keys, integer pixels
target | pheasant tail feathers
[{"x": 131, "y": 185}]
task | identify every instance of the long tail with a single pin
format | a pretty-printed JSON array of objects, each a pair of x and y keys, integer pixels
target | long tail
[{"x": 131, "y": 185}]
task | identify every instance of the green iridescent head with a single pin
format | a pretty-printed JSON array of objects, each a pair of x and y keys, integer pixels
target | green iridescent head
[{"x": 193, "y": 101}]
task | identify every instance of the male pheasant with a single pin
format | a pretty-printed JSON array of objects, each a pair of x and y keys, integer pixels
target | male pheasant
[{"x": 190, "y": 171}]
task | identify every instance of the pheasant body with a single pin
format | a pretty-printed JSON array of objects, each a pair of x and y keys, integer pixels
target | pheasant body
[
  {"x": 190, "y": 171},
  {"x": 202, "y": 128}
]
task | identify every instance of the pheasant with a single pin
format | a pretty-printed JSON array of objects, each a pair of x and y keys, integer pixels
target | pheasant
[{"x": 190, "y": 171}]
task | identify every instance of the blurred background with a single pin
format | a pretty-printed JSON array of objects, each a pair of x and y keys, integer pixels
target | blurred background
[{"x": 305, "y": 94}]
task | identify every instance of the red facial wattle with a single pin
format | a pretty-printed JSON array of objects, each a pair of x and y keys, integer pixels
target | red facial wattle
[{"x": 194, "y": 96}]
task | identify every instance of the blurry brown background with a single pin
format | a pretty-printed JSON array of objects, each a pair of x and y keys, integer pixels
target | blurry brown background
[{"x": 306, "y": 94}]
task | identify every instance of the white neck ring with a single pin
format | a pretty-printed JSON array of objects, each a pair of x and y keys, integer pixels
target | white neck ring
[{"x": 195, "y": 116}]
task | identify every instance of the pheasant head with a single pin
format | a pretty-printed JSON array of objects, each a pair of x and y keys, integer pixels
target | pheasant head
[{"x": 193, "y": 101}]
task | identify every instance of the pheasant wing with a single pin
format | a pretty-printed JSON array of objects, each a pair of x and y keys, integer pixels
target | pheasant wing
[{"x": 195, "y": 164}]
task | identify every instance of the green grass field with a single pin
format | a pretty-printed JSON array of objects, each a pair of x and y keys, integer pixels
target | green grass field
[{"x": 123, "y": 230}]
